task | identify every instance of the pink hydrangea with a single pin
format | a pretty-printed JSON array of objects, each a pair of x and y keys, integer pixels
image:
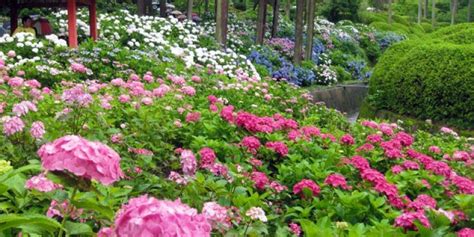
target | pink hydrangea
[
  {"x": 407, "y": 220},
  {"x": 347, "y": 139},
  {"x": 306, "y": 183},
  {"x": 23, "y": 108},
  {"x": 374, "y": 138},
  {"x": 465, "y": 232},
  {"x": 148, "y": 216},
  {"x": 188, "y": 90},
  {"x": 370, "y": 124},
  {"x": 461, "y": 156},
  {"x": 188, "y": 162},
  {"x": 365, "y": 148},
  {"x": 435, "y": 149},
  {"x": 260, "y": 179},
  {"x": 278, "y": 147},
  {"x": 227, "y": 113},
  {"x": 311, "y": 131},
  {"x": 216, "y": 215},
  {"x": 41, "y": 183},
  {"x": 295, "y": 228},
  {"x": 251, "y": 143},
  {"x": 12, "y": 125},
  {"x": 161, "y": 90},
  {"x": 360, "y": 162},
  {"x": 404, "y": 138},
  {"x": 61, "y": 209},
  {"x": 77, "y": 67},
  {"x": 193, "y": 117},
  {"x": 465, "y": 185},
  {"x": 15, "y": 82},
  {"x": 37, "y": 130},
  {"x": 336, "y": 180},
  {"x": 87, "y": 159},
  {"x": 410, "y": 165},
  {"x": 208, "y": 157},
  {"x": 396, "y": 169},
  {"x": 421, "y": 202},
  {"x": 277, "y": 187}
]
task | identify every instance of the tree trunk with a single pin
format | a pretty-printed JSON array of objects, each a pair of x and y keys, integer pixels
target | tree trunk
[
  {"x": 222, "y": 9},
  {"x": 310, "y": 29},
  {"x": 276, "y": 16},
  {"x": 390, "y": 13},
  {"x": 288, "y": 9},
  {"x": 454, "y": 4},
  {"x": 190, "y": 10},
  {"x": 425, "y": 12},
  {"x": 141, "y": 7},
  {"x": 299, "y": 31},
  {"x": 206, "y": 6},
  {"x": 433, "y": 13},
  {"x": 163, "y": 8},
  {"x": 469, "y": 11},
  {"x": 262, "y": 13},
  {"x": 420, "y": 3}
]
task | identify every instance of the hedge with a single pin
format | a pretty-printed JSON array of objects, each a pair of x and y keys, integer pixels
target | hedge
[{"x": 429, "y": 78}]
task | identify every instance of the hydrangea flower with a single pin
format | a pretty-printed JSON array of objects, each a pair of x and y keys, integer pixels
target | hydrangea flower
[{"x": 90, "y": 160}]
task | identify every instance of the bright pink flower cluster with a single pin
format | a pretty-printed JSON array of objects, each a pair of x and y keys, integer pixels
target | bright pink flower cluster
[
  {"x": 337, "y": 180},
  {"x": 347, "y": 139},
  {"x": 37, "y": 130},
  {"x": 23, "y": 108},
  {"x": 407, "y": 220},
  {"x": 278, "y": 147},
  {"x": 306, "y": 183},
  {"x": 147, "y": 216},
  {"x": 465, "y": 232},
  {"x": 41, "y": 183},
  {"x": 90, "y": 160},
  {"x": 77, "y": 67},
  {"x": 208, "y": 157},
  {"x": 254, "y": 123},
  {"x": 193, "y": 117},
  {"x": 421, "y": 202},
  {"x": 295, "y": 228},
  {"x": 216, "y": 215},
  {"x": 260, "y": 179},
  {"x": 251, "y": 143}
]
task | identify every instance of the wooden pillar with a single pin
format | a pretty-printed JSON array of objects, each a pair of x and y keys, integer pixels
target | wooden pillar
[
  {"x": 163, "y": 8},
  {"x": 261, "y": 20},
  {"x": 72, "y": 23},
  {"x": 93, "y": 19},
  {"x": 310, "y": 29},
  {"x": 299, "y": 31},
  {"x": 276, "y": 16},
  {"x": 222, "y": 9},
  {"x": 13, "y": 17}
]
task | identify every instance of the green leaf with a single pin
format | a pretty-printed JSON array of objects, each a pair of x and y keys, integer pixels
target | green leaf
[
  {"x": 32, "y": 223},
  {"x": 73, "y": 228}
]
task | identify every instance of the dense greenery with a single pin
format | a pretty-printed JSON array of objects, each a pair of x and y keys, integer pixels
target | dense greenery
[{"x": 430, "y": 78}]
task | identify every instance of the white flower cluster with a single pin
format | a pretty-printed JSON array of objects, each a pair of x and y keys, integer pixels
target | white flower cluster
[
  {"x": 161, "y": 35},
  {"x": 324, "y": 73}
]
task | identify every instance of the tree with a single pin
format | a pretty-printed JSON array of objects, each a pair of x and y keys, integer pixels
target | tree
[
  {"x": 190, "y": 10},
  {"x": 433, "y": 12},
  {"x": 310, "y": 29},
  {"x": 276, "y": 16},
  {"x": 336, "y": 10},
  {"x": 390, "y": 13},
  {"x": 454, "y": 5},
  {"x": 425, "y": 12},
  {"x": 420, "y": 3},
  {"x": 299, "y": 31},
  {"x": 261, "y": 20},
  {"x": 222, "y": 9},
  {"x": 163, "y": 8},
  {"x": 469, "y": 11},
  {"x": 141, "y": 7}
]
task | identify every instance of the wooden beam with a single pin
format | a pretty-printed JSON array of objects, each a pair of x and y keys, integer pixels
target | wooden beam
[
  {"x": 93, "y": 20},
  {"x": 276, "y": 16},
  {"x": 299, "y": 31},
  {"x": 261, "y": 20},
  {"x": 310, "y": 29},
  {"x": 72, "y": 23}
]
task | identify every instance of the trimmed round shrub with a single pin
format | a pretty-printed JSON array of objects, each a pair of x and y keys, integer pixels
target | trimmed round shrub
[{"x": 429, "y": 78}]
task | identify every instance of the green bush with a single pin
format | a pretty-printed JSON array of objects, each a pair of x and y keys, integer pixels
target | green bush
[{"x": 429, "y": 78}]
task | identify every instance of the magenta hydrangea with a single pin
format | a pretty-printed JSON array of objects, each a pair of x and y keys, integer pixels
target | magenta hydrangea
[
  {"x": 41, "y": 183},
  {"x": 87, "y": 159},
  {"x": 148, "y": 216},
  {"x": 306, "y": 183}
]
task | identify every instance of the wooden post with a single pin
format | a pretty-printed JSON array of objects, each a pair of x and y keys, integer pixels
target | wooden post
[
  {"x": 433, "y": 13},
  {"x": 222, "y": 9},
  {"x": 310, "y": 29},
  {"x": 163, "y": 8},
  {"x": 13, "y": 17},
  {"x": 93, "y": 19},
  {"x": 299, "y": 31},
  {"x": 190, "y": 10},
  {"x": 72, "y": 23},
  {"x": 276, "y": 16},
  {"x": 261, "y": 20}
]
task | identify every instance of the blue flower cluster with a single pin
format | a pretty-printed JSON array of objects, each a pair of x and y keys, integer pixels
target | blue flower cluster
[
  {"x": 387, "y": 39},
  {"x": 318, "y": 49},
  {"x": 358, "y": 70}
]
